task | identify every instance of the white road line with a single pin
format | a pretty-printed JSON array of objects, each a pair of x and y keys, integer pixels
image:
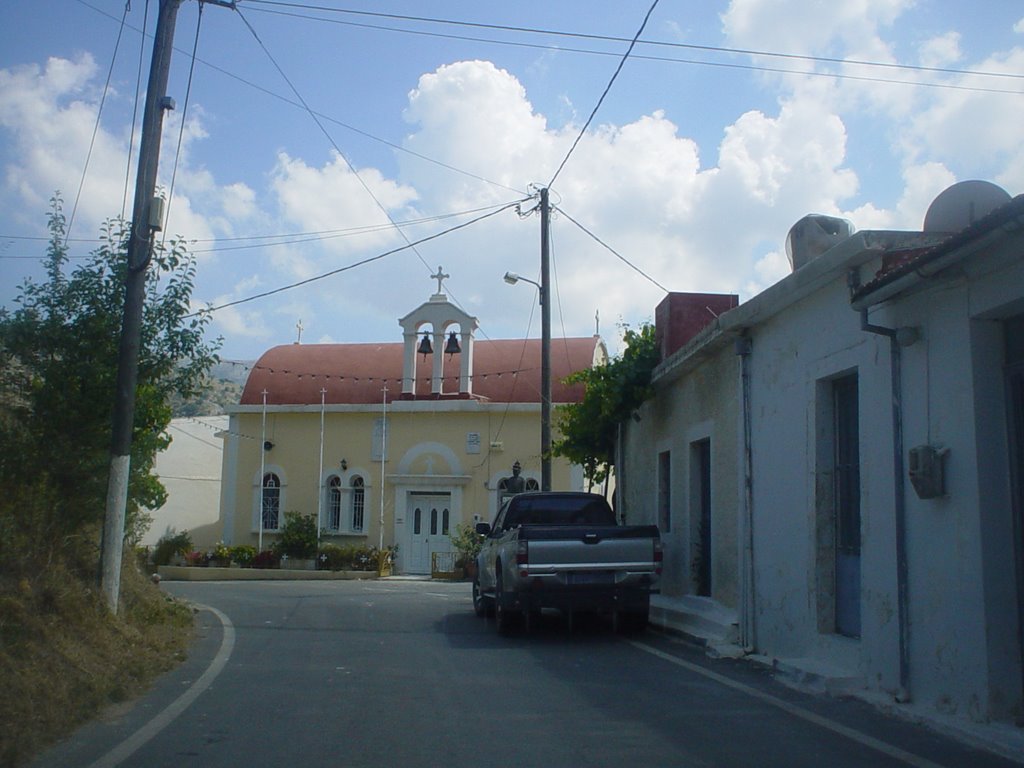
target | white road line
[
  {"x": 842, "y": 730},
  {"x": 126, "y": 748}
]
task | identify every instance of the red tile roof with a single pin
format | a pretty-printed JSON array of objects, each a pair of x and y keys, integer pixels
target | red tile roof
[{"x": 504, "y": 371}]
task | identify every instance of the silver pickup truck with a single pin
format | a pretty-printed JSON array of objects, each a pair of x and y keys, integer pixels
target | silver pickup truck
[{"x": 564, "y": 550}]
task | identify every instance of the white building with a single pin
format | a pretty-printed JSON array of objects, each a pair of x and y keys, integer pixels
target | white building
[{"x": 853, "y": 437}]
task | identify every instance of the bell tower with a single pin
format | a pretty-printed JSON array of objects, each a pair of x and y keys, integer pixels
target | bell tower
[{"x": 425, "y": 330}]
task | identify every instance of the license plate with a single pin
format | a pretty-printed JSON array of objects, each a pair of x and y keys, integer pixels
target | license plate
[{"x": 591, "y": 577}]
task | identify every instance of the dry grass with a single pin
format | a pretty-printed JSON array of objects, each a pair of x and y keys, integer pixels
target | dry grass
[{"x": 63, "y": 657}]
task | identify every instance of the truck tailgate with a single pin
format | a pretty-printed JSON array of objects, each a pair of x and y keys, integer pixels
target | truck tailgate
[{"x": 557, "y": 548}]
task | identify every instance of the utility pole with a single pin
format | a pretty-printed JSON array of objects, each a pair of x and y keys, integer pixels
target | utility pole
[
  {"x": 545, "y": 344},
  {"x": 140, "y": 244}
]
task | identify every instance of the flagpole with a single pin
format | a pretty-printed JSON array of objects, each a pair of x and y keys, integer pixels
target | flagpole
[
  {"x": 320, "y": 477},
  {"x": 383, "y": 456},
  {"x": 263, "y": 467}
]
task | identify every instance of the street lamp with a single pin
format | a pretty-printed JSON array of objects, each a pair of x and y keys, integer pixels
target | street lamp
[{"x": 545, "y": 378}]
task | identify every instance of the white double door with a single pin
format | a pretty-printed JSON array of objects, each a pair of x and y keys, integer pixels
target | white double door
[{"x": 429, "y": 522}]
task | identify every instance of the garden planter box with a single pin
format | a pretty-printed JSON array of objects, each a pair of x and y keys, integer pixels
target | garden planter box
[{"x": 297, "y": 564}]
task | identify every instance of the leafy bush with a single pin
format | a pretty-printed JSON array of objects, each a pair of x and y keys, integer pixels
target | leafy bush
[
  {"x": 298, "y": 537},
  {"x": 171, "y": 544},
  {"x": 334, "y": 557},
  {"x": 243, "y": 554},
  {"x": 467, "y": 543}
]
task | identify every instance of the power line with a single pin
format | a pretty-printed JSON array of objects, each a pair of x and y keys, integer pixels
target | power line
[
  {"x": 135, "y": 111},
  {"x": 96, "y": 125},
  {"x": 615, "y": 39},
  {"x": 327, "y": 135},
  {"x": 697, "y": 62},
  {"x": 607, "y": 88},
  {"x": 327, "y": 118},
  {"x": 615, "y": 253},
  {"x": 181, "y": 126},
  {"x": 352, "y": 266}
]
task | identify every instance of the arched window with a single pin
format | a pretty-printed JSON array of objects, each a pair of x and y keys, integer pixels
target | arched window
[
  {"x": 271, "y": 501},
  {"x": 334, "y": 504},
  {"x": 532, "y": 485},
  {"x": 358, "y": 502}
]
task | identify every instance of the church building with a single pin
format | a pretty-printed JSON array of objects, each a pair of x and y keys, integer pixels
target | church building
[{"x": 394, "y": 443}]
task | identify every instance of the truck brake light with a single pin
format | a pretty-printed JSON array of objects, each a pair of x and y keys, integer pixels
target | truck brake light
[{"x": 523, "y": 558}]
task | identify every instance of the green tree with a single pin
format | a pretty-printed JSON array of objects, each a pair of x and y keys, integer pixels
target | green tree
[
  {"x": 612, "y": 393},
  {"x": 58, "y": 352}
]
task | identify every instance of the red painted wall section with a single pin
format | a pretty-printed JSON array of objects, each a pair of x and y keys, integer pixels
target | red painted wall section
[{"x": 681, "y": 316}]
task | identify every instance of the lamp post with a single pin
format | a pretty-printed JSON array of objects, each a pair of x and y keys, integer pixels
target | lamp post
[{"x": 545, "y": 379}]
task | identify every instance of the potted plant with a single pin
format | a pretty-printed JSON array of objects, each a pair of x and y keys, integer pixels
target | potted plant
[{"x": 467, "y": 544}]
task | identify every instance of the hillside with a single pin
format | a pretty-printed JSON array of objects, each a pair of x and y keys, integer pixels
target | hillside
[{"x": 224, "y": 388}]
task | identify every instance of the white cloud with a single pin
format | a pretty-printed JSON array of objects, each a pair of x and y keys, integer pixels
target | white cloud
[
  {"x": 799, "y": 27},
  {"x": 334, "y": 199},
  {"x": 977, "y": 131},
  {"x": 941, "y": 51},
  {"x": 640, "y": 187},
  {"x": 50, "y": 113},
  {"x": 697, "y": 218}
]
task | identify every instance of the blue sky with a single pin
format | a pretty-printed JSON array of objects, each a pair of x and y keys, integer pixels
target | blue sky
[{"x": 693, "y": 169}]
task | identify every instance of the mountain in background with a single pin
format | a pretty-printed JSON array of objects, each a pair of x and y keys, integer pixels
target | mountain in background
[{"x": 223, "y": 388}]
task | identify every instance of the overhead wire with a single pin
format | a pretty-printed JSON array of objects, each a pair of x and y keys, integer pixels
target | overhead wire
[
  {"x": 607, "y": 88},
  {"x": 135, "y": 110},
  {"x": 655, "y": 43},
  {"x": 284, "y": 238},
  {"x": 96, "y": 125},
  {"x": 615, "y": 253},
  {"x": 181, "y": 127},
  {"x": 330, "y": 139},
  {"x": 327, "y": 118},
  {"x": 348, "y": 267}
]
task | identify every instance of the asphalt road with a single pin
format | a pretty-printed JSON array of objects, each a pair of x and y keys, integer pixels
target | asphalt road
[{"x": 401, "y": 673}]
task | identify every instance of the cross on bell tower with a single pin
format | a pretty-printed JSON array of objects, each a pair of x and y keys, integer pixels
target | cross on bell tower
[{"x": 440, "y": 277}]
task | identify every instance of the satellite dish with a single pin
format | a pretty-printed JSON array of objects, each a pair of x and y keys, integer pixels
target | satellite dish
[
  {"x": 962, "y": 204},
  {"x": 813, "y": 235}
]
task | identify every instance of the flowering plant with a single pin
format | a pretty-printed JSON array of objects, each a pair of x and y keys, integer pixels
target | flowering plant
[{"x": 196, "y": 558}]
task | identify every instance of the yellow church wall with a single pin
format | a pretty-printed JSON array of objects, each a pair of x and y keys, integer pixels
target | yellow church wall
[{"x": 452, "y": 453}]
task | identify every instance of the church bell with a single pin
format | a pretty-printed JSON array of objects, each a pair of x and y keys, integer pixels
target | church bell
[
  {"x": 452, "y": 347},
  {"x": 425, "y": 347}
]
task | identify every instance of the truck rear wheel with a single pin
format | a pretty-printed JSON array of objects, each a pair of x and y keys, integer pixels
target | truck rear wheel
[
  {"x": 502, "y": 615},
  {"x": 481, "y": 605}
]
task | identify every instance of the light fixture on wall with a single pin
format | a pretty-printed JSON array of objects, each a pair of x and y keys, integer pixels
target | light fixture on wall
[
  {"x": 267, "y": 445},
  {"x": 344, "y": 465}
]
